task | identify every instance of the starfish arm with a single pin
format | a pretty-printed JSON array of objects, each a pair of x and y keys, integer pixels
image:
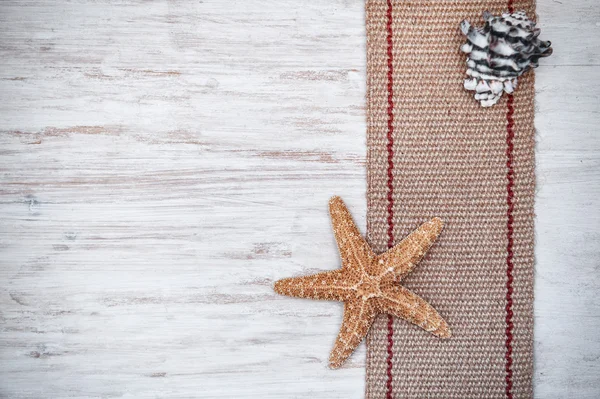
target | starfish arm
[
  {"x": 330, "y": 285},
  {"x": 402, "y": 303},
  {"x": 355, "y": 252},
  {"x": 358, "y": 317},
  {"x": 405, "y": 255}
]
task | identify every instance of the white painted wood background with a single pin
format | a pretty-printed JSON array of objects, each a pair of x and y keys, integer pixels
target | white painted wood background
[{"x": 163, "y": 162}]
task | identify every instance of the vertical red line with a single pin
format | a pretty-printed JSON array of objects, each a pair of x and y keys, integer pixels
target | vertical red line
[
  {"x": 390, "y": 125},
  {"x": 510, "y": 177},
  {"x": 390, "y": 181}
]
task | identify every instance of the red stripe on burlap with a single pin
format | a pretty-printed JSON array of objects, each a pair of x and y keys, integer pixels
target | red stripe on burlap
[
  {"x": 390, "y": 182},
  {"x": 510, "y": 177}
]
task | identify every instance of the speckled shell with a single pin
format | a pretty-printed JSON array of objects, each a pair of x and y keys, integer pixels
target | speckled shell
[{"x": 498, "y": 53}]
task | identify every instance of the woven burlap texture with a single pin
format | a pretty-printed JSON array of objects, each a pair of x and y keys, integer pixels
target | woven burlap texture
[{"x": 434, "y": 152}]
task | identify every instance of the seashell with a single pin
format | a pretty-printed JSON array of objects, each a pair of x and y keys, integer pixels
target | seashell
[{"x": 503, "y": 49}]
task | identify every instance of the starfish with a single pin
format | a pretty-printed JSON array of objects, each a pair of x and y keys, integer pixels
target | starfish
[{"x": 367, "y": 283}]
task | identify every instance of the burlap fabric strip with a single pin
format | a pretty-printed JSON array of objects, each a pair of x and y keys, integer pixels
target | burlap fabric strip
[{"x": 434, "y": 152}]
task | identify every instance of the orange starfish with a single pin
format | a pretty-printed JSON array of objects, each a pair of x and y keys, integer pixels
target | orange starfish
[{"x": 367, "y": 282}]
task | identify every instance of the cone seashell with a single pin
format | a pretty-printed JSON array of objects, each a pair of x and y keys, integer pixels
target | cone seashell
[{"x": 503, "y": 49}]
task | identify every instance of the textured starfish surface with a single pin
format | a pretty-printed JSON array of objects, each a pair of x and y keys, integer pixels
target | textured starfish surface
[{"x": 368, "y": 283}]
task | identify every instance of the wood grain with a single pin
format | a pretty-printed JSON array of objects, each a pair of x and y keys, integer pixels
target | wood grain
[
  {"x": 567, "y": 305},
  {"x": 163, "y": 162}
]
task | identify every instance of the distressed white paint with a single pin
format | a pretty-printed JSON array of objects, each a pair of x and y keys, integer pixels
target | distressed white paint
[
  {"x": 161, "y": 163},
  {"x": 567, "y": 279}
]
